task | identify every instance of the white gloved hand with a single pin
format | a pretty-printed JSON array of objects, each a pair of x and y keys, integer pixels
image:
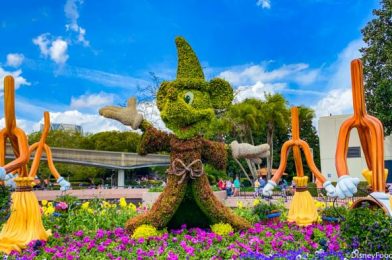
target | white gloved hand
[
  {"x": 346, "y": 187},
  {"x": 267, "y": 190},
  {"x": 10, "y": 183},
  {"x": 3, "y": 174},
  {"x": 64, "y": 185},
  {"x": 249, "y": 151},
  {"x": 330, "y": 189}
]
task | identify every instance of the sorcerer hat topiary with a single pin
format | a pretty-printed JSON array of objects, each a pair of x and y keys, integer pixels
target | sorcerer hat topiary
[{"x": 188, "y": 63}]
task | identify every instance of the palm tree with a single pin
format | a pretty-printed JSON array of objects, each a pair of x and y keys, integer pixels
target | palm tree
[
  {"x": 276, "y": 115},
  {"x": 246, "y": 118}
]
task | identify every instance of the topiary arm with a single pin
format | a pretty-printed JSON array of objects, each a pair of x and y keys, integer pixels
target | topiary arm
[
  {"x": 153, "y": 140},
  {"x": 215, "y": 153},
  {"x": 126, "y": 115}
]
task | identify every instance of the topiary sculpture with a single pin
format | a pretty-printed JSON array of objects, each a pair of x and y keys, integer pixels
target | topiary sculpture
[{"x": 187, "y": 106}]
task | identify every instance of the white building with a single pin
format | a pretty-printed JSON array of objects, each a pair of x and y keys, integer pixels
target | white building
[
  {"x": 328, "y": 132},
  {"x": 65, "y": 127}
]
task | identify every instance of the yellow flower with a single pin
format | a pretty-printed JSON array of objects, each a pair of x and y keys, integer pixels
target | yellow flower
[
  {"x": 123, "y": 203},
  {"x": 44, "y": 202},
  {"x": 350, "y": 203},
  {"x": 132, "y": 206},
  {"x": 330, "y": 204},
  {"x": 49, "y": 211},
  {"x": 86, "y": 205},
  {"x": 145, "y": 231},
  {"x": 103, "y": 212},
  {"x": 50, "y": 204},
  {"x": 256, "y": 202},
  {"x": 222, "y": 229},
  {"x": 319, "y": 219},
  {"x": 91, "y": 211},
  {"x": 105, "y": 204},
  {"x": 240, "y": 205}
]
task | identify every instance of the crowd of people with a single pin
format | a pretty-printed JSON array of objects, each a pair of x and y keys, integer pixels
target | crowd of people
[{"x": 232, "y": 188}]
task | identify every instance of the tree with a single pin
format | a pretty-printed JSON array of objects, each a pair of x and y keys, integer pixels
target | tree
[
  {"x": 113, "y": 141},
  {"x": 245, "y": 119},
  {"x": 107, "y": 141},
  {"x": 377, "y": 60},
  {"x": 275, "y": 115}
]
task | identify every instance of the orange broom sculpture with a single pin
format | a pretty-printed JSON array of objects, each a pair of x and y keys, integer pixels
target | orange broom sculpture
[
  {"x": 302, "y": 208},
  {"x": 371, "y": 135},
  {"x": 24, "y": 223}
]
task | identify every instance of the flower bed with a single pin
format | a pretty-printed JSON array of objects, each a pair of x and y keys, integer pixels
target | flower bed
[
  {"x": 262, "y": 241},
  {"x": 94, "y": 230}
]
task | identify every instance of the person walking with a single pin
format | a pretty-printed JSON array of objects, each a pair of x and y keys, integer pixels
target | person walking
[
  {"x": 229, "y": 186},
  {"x": 237, "y": 186}
]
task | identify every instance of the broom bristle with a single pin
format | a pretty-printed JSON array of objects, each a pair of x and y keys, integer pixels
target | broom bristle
[
  {"x": 25, "y": 223},
  {"x": 302, "y": 210}
]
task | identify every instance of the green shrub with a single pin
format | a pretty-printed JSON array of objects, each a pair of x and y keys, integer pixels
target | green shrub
[
  {"x": 339, "y": 212},
  {"x": 156, "y": 189},
  {"x": 247, "y": 214},
  {"x": 264, "y": 208},
  {"x": 214, "y": 174},
  {"x": 368, "y": 230},
  {"x": 312, "y": 187},
  {"x": 5, "y": 199},
  {"x": 245, "y": 182}
]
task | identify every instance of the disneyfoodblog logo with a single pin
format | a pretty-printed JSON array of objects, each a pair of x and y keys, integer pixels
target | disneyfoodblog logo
[{"x": 358, "y": 255}]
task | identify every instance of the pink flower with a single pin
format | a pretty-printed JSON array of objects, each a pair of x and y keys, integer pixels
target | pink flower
[{"x": 61, "y": 205}]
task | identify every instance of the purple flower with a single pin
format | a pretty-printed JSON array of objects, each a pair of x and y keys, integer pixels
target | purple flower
[
  {"x": 172, "y": 256},
  {"x": 101, "y": 248},
  {"x": 79, "y": 233},
  {"x": 100, "y": 234}
]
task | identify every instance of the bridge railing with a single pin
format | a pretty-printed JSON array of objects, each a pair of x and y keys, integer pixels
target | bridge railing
[{"x": 105, "y": 159}]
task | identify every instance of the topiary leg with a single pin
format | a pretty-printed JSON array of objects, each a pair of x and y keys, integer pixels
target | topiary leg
[
  {"x": 164, "y": 208},
  {"x": 212, "y": 207}
]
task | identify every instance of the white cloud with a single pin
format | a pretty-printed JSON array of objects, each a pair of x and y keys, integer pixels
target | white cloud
[
  {"x": 308, "y": 77},
  {"x": 250, "y": 74},
  {"x": 151, "y": 113},
  {"x": 14, "y": 59},
  {"x": 105, "y": 78},
  {"x": 26, "y": 125},
  {"x": 58, "y": 51},
  {"x": 55, "y": 49},
  {"x": 91, "y": 123},
  {"x": 335, "y": 102},
  {"x": 252, "y": 81},
  {"x": 92, "y": 101},
  {"x": 257, "y": 90},
  {"x": 265, "y": 4},
  {"x": 338, "y": 99},
  {"x": 72, "y": 14},
  {"x": 19, "y": 80}
]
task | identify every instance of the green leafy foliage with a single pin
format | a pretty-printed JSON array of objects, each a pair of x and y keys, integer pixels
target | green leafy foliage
[
  {"x": 188, "y": 63},
  {"x": 377, "y": 61},
  {"x": 5, "y": 199},
  {"x": 214, "y": 174},
  {"x": 368, "y": 230},
  {"x": 187, "y": 104},
  {"x": 263, "y": 209},
  {"x": 339, "y": 212}
]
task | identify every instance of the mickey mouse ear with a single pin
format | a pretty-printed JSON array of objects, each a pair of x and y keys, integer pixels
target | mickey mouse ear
[{"x": 188, "y": 63}]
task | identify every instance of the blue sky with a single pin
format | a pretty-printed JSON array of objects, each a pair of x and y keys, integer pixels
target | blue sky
[{"x": 72, "y": 57}]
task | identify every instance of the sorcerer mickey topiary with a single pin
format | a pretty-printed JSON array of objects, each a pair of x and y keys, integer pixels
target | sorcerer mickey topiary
[{"x": 187, "y": 106}]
